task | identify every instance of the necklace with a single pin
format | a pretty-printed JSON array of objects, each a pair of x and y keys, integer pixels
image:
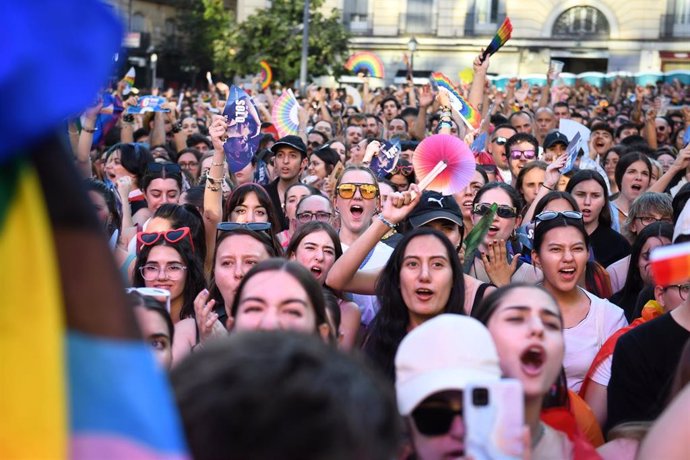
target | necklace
[{"x": 540, "y": 434}]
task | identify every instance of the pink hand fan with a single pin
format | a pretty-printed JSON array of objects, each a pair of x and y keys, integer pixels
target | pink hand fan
[{"x": 445, "y": 164}]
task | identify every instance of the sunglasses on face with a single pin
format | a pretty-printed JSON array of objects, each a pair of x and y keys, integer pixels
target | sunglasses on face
[
  {"x": 551, "y": 215},
  {"x": 348, "y": 190},
  {"x": 434, "y": 421},
  {"x": 171, "y": 236},
  {"x": 321, "y": 216},
  {"x": 504, "y": 211},
  {"x": 404, "y": 170},
  {"x": 499, "y": 140},
  {"x": 527, "y": 154},
  {"x": 169, "y": 168}
]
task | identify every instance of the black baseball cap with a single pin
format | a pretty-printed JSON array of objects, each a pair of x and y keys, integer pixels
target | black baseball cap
[
  {"x": 291, "y": 141},
  {"x": 433, "y": 206},
  {"x": 555, "y": 137}
]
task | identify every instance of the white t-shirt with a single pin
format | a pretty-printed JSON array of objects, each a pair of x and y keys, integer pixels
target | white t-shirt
[
  {"x": 618, "y": 271},
  {"x": 583, "y": 341},
  {"x": 368, "y": 304}
]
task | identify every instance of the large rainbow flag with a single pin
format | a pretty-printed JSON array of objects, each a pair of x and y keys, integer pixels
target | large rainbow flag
[{"x": 76, "y": 380}]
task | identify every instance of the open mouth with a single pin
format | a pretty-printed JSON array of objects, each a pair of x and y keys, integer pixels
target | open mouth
[
  {"x": 493, "y": 230},
  {"x": 636, "y": 187},
  {"x": 316, "y": 271},
  {"x": 356, "y": 210},
  {"x": 533, "y": 360},
  {"x": 567, "y": 273},
  {"x": 424, "y": 294}
]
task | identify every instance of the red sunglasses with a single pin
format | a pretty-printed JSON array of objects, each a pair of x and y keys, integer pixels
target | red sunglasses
[{"x": 171, "y": 236}]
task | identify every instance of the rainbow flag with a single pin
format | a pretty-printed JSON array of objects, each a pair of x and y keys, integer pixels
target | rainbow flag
[
  {"x": 77, "y": 380},
  {"x": 367, "y": 63},
  {"x": 130, "y": 76},
  {"x": 266, "y": 75},
  {"x": 467, "y": 111},
  {"x": 502, "y": 36}
]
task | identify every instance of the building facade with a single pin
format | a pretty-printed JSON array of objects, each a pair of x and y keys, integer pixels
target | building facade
[{"x": 587, "y": 35}]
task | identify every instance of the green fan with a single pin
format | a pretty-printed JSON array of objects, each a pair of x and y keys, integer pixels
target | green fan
[{"x": 477, "y": 235}]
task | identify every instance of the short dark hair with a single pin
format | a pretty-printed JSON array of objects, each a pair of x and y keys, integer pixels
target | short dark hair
[
  {"x": 134, "y": 157},
  {"x": 552, "y": 196},
  {"x": 521, "y": 137},
  {"x": 149, "y": 176},
  {"x": 486, "y": 308},
  {"x": 237, "y": 197},
  {"x": 237, "y": 395},
  {"x": 535, "y": 164},
  {"x": 390, "y": 98},
  {"x": 196, "y": 139},
  {"x": 625, "y": 126},
  {"x": 309, "y": 228}
]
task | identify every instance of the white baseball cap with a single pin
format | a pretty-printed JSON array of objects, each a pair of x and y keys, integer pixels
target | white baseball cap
[{"x": 444, "y": 353}]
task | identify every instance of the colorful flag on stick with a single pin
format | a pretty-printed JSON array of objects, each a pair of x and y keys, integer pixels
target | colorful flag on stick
[
  {"x": 469, "y": 113},
  {"x": 266, "y": 75},
  {"x": 129, "y": 77},
  {"x": 502, "y": 36}
]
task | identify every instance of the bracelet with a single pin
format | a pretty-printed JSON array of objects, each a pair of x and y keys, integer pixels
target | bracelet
[
  {"x": 217, "y": 164},
  {"x": 128, "y": 118},
  {"x": 388, "y": 223},
  {"x": 547, "y": 187},
  {"x": 176, "y": 127},
  {"x": 444, "y": 108},
  {"x": 445, "y": 124},
  {"x": 89, "y": 130},
  {"x": 214, "y": 180},
  {"x": 212, "y": 187}
]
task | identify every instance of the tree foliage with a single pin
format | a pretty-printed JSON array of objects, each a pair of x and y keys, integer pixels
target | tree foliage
[{"x": 274, "y": 34}]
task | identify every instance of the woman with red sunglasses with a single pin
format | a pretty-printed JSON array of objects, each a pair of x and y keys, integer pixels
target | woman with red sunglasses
[{"x": 166, "y": 260}]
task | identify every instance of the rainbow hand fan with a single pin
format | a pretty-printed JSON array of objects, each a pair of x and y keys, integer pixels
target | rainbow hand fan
[
  {"x": 469, "y": 113},
  {"x": 500, "y": 39},
  {"x": 366, "y": 62},
  {"x": 266, "y": 75},
  {"x": 444, "y": 163},
  {"x": 130, "y": 76},
  {"x": 285, "y": 115}
]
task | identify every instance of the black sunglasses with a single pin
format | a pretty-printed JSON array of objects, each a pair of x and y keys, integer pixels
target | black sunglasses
[
  {"x": 551, "y": 215},
  {"x": 169, "y": 168},
  {"x": 253, "y": 226},
  {"x": 504, "y": 211},
  {"x": 499, "y": 140},
  {"x": 434, "y": 421}
]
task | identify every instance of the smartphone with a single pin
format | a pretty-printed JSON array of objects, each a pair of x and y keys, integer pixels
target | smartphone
[{"x": 493, "y": 412}]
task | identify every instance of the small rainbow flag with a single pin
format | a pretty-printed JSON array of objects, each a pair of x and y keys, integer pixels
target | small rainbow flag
[
  {"x": 469, "y": 114},
  {"x": 284, "y": 114},
  {"x": 266, "y": 75},
  {"x": 500, "y": 39},
  {"x": 366, "y": 62},
  {"x": 130, "y": 76}
]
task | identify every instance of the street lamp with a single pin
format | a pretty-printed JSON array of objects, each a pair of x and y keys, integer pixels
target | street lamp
[
  {"x": 154, "y": 62},
  {"x": 412, "y": 46}
]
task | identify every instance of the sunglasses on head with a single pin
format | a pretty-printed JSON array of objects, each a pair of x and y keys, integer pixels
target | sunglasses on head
[
  {"x": 253, "y": 226},
  {"x": 367, "y": 191},
  {"x": 504, "y": 211},
  {"x": 527, "y": 154},
  {"x": 169, "y": 168},
  {"x": 171, "y": 236},
  {"x": 551, "y": 215},
  {"x": 434, "y": 421},
  {"x": 499, "y": 140}
]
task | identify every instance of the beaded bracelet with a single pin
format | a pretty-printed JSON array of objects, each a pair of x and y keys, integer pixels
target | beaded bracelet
[{"x": 388, "y": 223}]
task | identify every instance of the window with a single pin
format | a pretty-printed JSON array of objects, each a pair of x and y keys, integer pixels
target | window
[
  {"x": 356, "y": 15},
  {"x": 421, "y": 17},
  {"x": 581, "y": 22},
  {"x": 138, "y": 23},
  {"x": 682, "y": 11},
  {"x": 486, "y": 11},
  {"x": 169, "y": 27}
]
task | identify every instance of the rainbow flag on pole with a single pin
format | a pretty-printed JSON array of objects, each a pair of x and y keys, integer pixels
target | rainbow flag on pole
[
  {"x": 76, "y": 379},
  {"x": 467, "y": 111}
]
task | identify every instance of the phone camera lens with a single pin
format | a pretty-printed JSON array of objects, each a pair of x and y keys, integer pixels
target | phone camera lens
[{"x": 480, "y": 397}]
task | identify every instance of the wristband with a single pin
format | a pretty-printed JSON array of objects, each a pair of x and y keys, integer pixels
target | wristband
[
  {"x": 217, "y": 164},
  {"x": 388, "y": 223},
  {"x": 89, "y": 130},
  {"x": 176, "y": 127},
  {"x": 128, "y": 118},
  {"x": 547, "y": 187}
]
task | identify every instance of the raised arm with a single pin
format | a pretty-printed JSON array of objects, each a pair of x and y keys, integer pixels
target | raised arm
[
  {"x": 345, "y": 274},
  {"x": 479, "y": 81},
  {"x": 426, "y": 98},
  {"x": 551, "y": 178},
  {"x": 86, "y": 140},
  {"x": 680, "y": 164},
  {"x": 213, "y": 193}
]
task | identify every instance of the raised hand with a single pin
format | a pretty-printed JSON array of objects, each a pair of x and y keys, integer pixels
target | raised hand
[
  {"x": 218, "y": 131},
  {"x": 426, "y": 96},
  {"x": 400, "y": 204},
  {"x": 206, "y": 317},
  {"x": 496, "y": 263}
]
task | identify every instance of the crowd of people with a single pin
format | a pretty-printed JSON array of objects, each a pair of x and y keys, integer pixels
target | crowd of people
[{"x": 307, "y": 240}]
